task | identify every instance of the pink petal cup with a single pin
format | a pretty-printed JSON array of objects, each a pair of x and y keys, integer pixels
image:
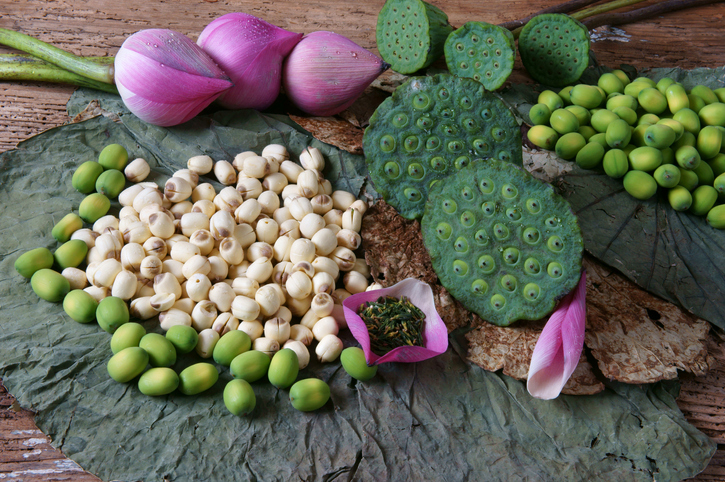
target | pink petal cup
[{"x": 435, "y": 333}]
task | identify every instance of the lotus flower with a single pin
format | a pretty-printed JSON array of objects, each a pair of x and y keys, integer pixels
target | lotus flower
[
  {"x": 559, "y": 346},
  {"x": 435, "y": 334},
  {"x": 251, "y": 52},
  {"x": 326, "y": 72},
  {"x": 165, "y": 78}
]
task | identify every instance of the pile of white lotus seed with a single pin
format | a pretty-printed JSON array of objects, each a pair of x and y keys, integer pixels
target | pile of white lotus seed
[{"x": 264, "y": 255}]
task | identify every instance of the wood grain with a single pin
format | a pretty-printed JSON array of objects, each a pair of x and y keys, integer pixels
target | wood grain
[{"x": 687, "y": 39}]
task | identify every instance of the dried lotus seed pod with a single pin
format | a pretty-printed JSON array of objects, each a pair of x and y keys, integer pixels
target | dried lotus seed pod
[{"x": 502, "y": 242}]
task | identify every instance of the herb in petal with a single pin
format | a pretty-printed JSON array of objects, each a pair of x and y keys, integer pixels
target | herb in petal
[{"x": 391, "y": 323}]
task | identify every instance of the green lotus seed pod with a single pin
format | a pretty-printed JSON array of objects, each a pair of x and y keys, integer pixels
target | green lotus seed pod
[
  {"x": 127, "y": 364},
  {"x": 554, "y": 59},
  {"x": 705, "y": 175},
  {"x": 411, "y": 34},
  {"x": 645, "y": 159},
  {"x": 93, "y": 207},
  {"x": 709, "y": 141},
  {"x": 309, "y": 394},
  {"x": 161, "y": 352},
  {"x": 127, "y": 335},
  {"x": 354, "y": 363},
  {"x": 563, "y": 121},
  {"x": 626, "y": 114},
  {"x": 680, "y": 198},
  {"x": 85, "y": 176},
  {"x": 622, "y": 101},
  {"x": 587, "y": 96},
  {"x": 688, "y": 179},
  {"x": 197, "y": 378},
  {"x": 635, "y": 87},
  {"x": 569, "y": 145},
  {"x": 158, "y": 381},
  {"x": 618, "y": 134},
  {"x": 111, "y": 313},
  {"x": 601, "y": 119},
  {"x": 481, "y": 51},
  {"x": 113, "y": 156},
  {"x": 283, "y": 368},
  {"x": 640, "y": 185},
  {"x": 550, "y": 99},
  {"x": 687, "y": 157},
  {"x": 250, "y": 366},
  {"x": 71, "y": 253},
  {"x": 231, "y": 345},
  {"x": 49, "y": 285},
  {"x": 239, "y": 397},
  {"x": 583, "y": 115},
  {"x": 184, "y": 338},
  {"x": 663, "y": 84},
  {"x": 676, "y": 98},
  {"x": 615, "y": 163},
  {"x": 703, "y": 199},
  {"x": 64, "y": 228},
  {"x": 80, "y": 306},
  {"x": 31, "y": 261},
  {"x": 110, "y": 183},
  {"x": 543, "y": 136},
  {"x": 667, "y": 175},
  {"x": 689, "y": 119},
  {"x": 696, "y": 102},
  {"x": 716, "y": 217},
  {"x": 705, "y": 93},
  {"x": 717, "y": 164},
  {"x": 540, "y": 114},
  {"x": 610, "y": 83},
  {"x": 590, "y": 156}
]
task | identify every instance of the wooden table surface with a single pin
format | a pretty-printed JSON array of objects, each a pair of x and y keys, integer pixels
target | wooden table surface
[{"x": 687, "y": 39}]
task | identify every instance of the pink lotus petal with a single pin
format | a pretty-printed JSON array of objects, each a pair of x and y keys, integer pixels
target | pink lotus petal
[
  {"x": 251, "y": 52},
  {"x": 559, "y": 346},
  {"x": 164, "y": 78},
  {"x": 435, "y": 333}
]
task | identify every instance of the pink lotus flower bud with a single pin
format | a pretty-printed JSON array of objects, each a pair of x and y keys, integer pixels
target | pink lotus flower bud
[
  {"x": 251, "y": 52},
  {"x": 326, "y": 72},
  {"x": 164, "y": 78},
  {"x": 559, "y": 346}
]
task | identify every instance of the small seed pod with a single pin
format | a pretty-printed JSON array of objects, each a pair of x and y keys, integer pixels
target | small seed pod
[
  {"x": 291, "y": 170},
  {"x": 300, "y": 207},
  {"x": 303, "y": 354},
  {"x": 275, "y": 182},
  {"x": 256, "y": 166},
  {"x": 326, "y": 265},
  {"x": 225, "y": 173},
  {"x": 200, "y": 164},
  {"x": 349, "y": 239},
  {"x": 126, "y": 197},
  {"x": 203, "y": 240},
  {"x": 155, "y": 247},
  {"x": 86, "y": 235},
  {"x": 107, "y": 221},
  {"x": 174, "y": 268},
  {"x": 219, "y": 269},
  {"x": 208, "y": 339},
  {"x": 344, "y": 258},
  {"x": 150, "y": 267},
  {"x": 144, "y": 287},
  {"x": 302, "y": 334},
  {"x": 191, "y": 222},
  {"x": 238, "y": 161},
  {"x": 298, "y": 307},
  {"x": 106, "y": 272},
  {"x": 252, "y": 328},
  {"x": 298, "y": 285},
  {"x": 224, "y": 323},
  {"x": 245, "y": 287},
  {"x": 108, "y": 246},
  {"x": 333, "y": 217},
  {"x": 248, "y": 211},
  {"x": 98, "y": 293},
  {"x": 312, "y": 158},
  {"x": 204, "y": 206},
  {"x": 197, "y": 287},
  {"x": 268, "y": 300},
  {"x": 244, "y": 308},
  {"x": 259, "y": 250},
  {"x": 177, "y": 189},
  {"x": 203, "y": 315},
  {"x": 329, "y": 348},
  {"x": 222, "y": 295},
  {"x": 162, "y": 301},
  {"x": 322, "y": 304},
  {"x": 148, "y": 195},
  {"x": 325, "y": 241},
  {"x": 228, "y": 199},
  {"x": 76, "y": 278},
  {"x": 309, "y": 319},
  {"x": 140, "y": 308},
  {"x": 277, "y": 329},
  {"x": 302, "y": 250},
  {"x": 260, "y": 269},
  {"x": 249, "y": 188},
  {"x": 278, "y": 152},
  {"x": 203, "y": 192},
  {"x": 355, "y": 282},
  {"x": 267, "y": 230},
  {"x": 307, "y": 185},
  {"x": 167, "y": 283},
  {"x": 182, "y": 251},
  {"x": 322, "y": 283},
  {"x": 185, "y": 304},
  {"x": 187, "y": 175},
  {"x": 352, "y": 220}
]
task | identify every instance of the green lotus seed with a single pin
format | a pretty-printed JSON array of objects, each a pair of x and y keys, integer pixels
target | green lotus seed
[
  {"x": 486, "y": 186},
  {"x": 487, "y": 264},
  {"x": 499, "y": 134},
  {"x": 488, "y": 208},
  {"x": 467, "y": 193},
  {"x": 508, "y": 282},
  {"x": 462, "y": 162},
  {"x": 392, "y": 169},
  {"x": 498, "y": 302},
  {"x": 438, "y": 163},
  {"x": 531, "y": 235},
  {"x": 444, "y": 230},
  {"x": 481, "y": 237},
  {"x": 555, "y": 270},
  {"x": 412, "y": 194},
  {"x": 416, "y": 171},
  {"x": 400, "y": 120},
  {"x": 479, "y": 287},
  {"x": 531, "y": 291},
  {"x": 505, "y": 156},
  {"x": 514, "y": 214},
  {"x": 421, "y": 101},
  {"x": 509, "y": 191},
  {"x": 387, "y": 143},
  {"x": 469, "y": 124},
  {"x": 460, "y": 267},
  {"x": 411, "y": 143},
  {"x": 500, "y": 231},
  {"x": 461, "y": 245},
  {"x": 555, "y": 244},
  {"x": 443, "y": 93},
  {"x": 481, "y": 145},
  {"x": 532, "y": 266},
  {"x": 551, "y": 222},
  {"x": 424, "y": 122},
  {"x": 486, "y": 114},
  {"x": 454, "y": 147},
  {"x": 468, "y": 219},
  {"x": 465, "y": 102},
  {"x": 432, "y": 143},
  {"x": 533, "y": 206},
  {"x": 511, "y": 256},
  {"x": 449, "y": 206}
]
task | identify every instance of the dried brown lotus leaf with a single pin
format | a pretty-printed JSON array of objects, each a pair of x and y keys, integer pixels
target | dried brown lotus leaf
[{"x": 339, "y": 133}]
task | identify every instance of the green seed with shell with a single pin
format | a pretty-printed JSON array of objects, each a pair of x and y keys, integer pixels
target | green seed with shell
[
  {"x": 523, "y": 244},
  {"x": 411, "y": 34},
  {"x": 482, "y": 52},
  {"x": 554, "y": 49},
  {"x": 431, "y": 127}
]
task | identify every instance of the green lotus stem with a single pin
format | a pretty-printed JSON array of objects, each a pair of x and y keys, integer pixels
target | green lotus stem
[
  {"x": 78, "y": 65},
  {"x": 18, "y": 67}
]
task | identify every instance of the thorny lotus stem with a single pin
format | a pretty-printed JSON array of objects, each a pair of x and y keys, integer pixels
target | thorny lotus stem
[
  {"x": 19, "y": 67},
  {"x": 54, "y": 55},
  {"x": 565, "y": 7},
  {"x": 642, "y": 13}
]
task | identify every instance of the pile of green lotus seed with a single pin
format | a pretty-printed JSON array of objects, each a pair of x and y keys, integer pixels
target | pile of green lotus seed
[
  {"x": 249, "y": 276},
  {"x": 651, "y": 134}
]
